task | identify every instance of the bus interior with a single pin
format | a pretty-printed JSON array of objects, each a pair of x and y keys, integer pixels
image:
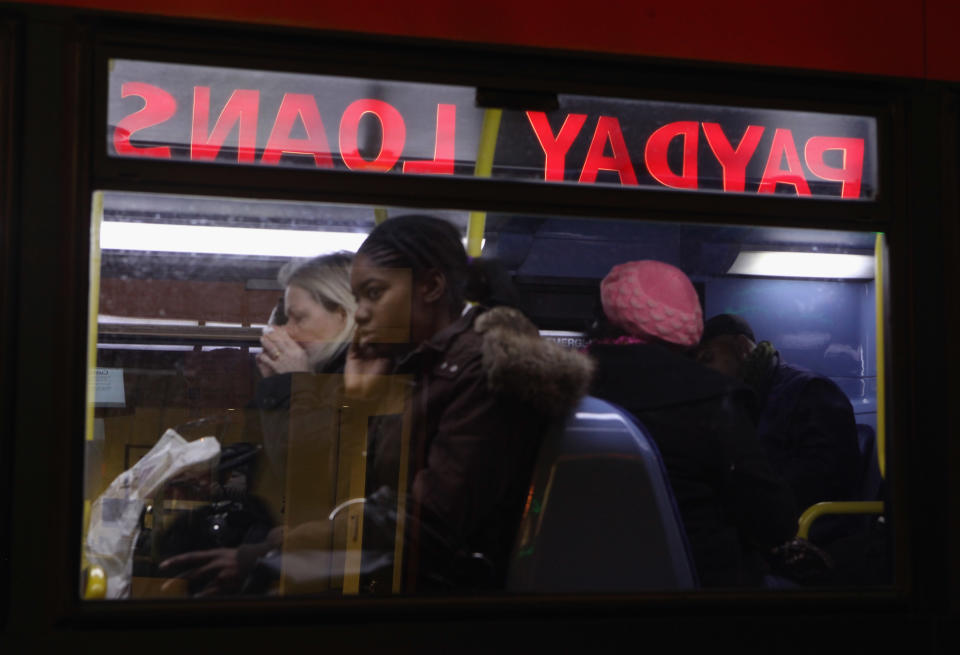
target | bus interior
[{"x": 184, "y": 287}]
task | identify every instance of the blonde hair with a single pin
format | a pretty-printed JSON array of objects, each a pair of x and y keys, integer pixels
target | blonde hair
[{"x": 327, "y": 279}]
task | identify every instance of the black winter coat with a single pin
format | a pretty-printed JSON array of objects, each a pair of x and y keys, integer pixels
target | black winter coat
[
  {"x": 273, "y": 396},
  {"x": 735, "y": 509},
  {"x": 807, "y": 426}
]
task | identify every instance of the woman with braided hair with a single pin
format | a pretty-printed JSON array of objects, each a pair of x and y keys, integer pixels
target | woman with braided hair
[
  {"x": 482, "y": 389},
  {"x": 485, "y": 389}
]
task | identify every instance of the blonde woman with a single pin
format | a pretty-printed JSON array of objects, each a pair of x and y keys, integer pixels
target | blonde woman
[
  {"x": 319, "y": 308},
  {"x": 305, "y": 347}
]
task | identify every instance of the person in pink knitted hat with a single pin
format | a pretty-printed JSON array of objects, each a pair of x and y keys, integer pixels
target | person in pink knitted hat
[
  {"x": 652, "y": 301},
  {"x": 734, "y": 508}
]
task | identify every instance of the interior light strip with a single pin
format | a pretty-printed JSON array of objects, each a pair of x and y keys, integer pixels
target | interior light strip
[
  {"x": 143, "y": 346},
  {"x": 803, "y": 265},
  {"x": 163, "y": 237},
  {"x": 143, "y": 320}
]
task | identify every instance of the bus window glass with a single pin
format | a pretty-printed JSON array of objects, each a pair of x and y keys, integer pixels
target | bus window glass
[
  {"x": 294, "y": 399},
  {"x": 258, "y": 118}
]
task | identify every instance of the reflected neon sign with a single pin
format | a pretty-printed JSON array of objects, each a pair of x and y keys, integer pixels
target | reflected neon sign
[
  {"x": 773, "y": 158},
  {"x": 782, "y": 162},
  {"x": 241, "y": 111}
]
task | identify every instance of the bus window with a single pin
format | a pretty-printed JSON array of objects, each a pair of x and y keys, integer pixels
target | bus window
[{"x": 303, "y": 398}]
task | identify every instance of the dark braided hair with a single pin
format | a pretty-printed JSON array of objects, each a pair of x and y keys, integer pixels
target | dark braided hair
[{"x": 421, "y": 243}]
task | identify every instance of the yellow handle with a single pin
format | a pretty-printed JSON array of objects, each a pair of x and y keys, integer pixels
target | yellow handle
[
  {"x": 96, "y": 584},
  {"x": 476, "y": 225},
  {"x": 878, "y": 286},
  {"x": 814, "y": 512}
]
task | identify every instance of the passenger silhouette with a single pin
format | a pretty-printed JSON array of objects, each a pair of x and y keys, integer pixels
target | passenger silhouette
[
  {"x": 734, "y": 507},
  {"x": 485, "y": 387},
  {"x": 805, "y": 421},
  {"x": 480, "y": 388},
  {"x": 304, "y": 349}
]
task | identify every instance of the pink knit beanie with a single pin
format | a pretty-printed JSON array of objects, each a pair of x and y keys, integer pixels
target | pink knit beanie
[{"x": 652, "y": 299}]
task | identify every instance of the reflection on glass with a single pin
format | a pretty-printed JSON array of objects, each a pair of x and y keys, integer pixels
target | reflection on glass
[
  {"x": 232, "y": 116},
  {"x": 385, "y": 416}
]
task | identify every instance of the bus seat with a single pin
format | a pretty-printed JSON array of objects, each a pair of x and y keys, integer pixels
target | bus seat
[
  {"x": 827, "y": 521},
  {"x": 871, "y": 480},
  {"x": 600, "y": 515}
]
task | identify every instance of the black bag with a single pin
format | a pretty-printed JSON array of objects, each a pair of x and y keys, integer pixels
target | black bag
[{"x": 231, "y": 518}]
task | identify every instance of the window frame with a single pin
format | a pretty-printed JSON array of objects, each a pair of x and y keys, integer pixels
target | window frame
[
  {"x": 94, "y": 41},
  {"x": 9, "y": 94}
]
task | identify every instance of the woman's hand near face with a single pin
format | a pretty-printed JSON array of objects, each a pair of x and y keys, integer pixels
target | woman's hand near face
[
  {"x": 281, "y": 354},
  {"x": 362, "y": 369}
]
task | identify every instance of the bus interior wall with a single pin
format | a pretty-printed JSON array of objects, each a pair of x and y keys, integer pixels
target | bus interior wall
[{"x": 827, "y": 326}]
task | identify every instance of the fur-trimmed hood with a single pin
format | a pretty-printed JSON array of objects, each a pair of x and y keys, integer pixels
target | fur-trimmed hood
[{"x": 520, "y": 363}]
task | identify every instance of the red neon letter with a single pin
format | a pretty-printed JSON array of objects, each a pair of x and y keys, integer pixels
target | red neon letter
[
  {"x": 159, "y": 107},
  {"x": 655, "y": 154},
  {"x": 773, "y": 175},
  {"x": 734, "y": 162},
  {"x": 241, "y": 108},
  {"x": 555, "y": 148},
  {"x": 280, "y": 142},
  {"x": 444, "y": 148},
  {"x": 851, "y": 169},
  {"x": 394, "y": 135},
  {"x": 608, "y": 129}
]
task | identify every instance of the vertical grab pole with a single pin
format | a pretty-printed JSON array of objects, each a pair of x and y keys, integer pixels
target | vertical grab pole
[
  {"x": 488, "y": 145},
  {"x": 93, "y": 303},
  {"x": 879, "y": 285},
  {"x": 93, "y": 309}
]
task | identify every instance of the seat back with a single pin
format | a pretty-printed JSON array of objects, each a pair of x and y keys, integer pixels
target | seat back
[
  {"x": 600, "y": 516},
  {"x": 871, "y": 480}
]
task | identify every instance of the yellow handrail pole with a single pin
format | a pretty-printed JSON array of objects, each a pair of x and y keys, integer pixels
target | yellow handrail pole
[
  {"x": 93, "y": 309},
  {"x": 477, "y": 223},
  {"x": 379, "y": 215},
  {"x": 878, "y": 287},
  {"x": 814, "y": 512},
  {"x": 96, "y": 584},
  {"x": 93, "y": 303}
]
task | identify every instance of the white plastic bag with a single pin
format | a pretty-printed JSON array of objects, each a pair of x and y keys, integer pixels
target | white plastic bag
[{"x": 115, "y": 515}]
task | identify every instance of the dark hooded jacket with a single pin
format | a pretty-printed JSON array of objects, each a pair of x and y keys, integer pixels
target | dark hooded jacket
[
  {"x": 734, "y": 508},
  {"x": 482, "y": 393},
  {"x": 485, "y": 391}
]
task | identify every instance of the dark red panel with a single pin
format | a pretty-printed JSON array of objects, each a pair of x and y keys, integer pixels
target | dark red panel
[
  {"x": 943, "y": 46},
  {"x": 884, "y": 37}
]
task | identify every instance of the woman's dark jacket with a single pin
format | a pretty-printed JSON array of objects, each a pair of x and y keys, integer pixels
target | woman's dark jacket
[
  {"x": 274, "y": 392},
  {"x": 735, "y": 509},
  {"x": 482, "y": 393},
  {"x": 485, "y": 390},
  {"x": 272, "y": 398}
]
